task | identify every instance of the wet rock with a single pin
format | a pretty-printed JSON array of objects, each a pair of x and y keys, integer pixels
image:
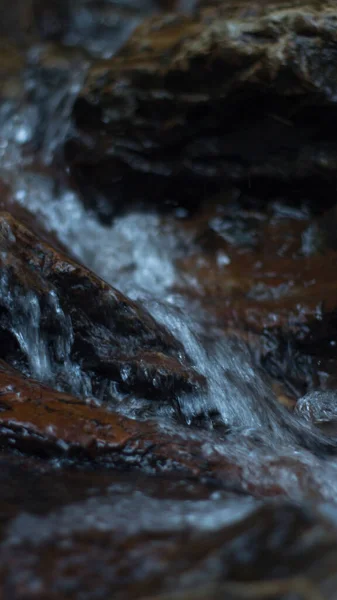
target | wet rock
[
  {"x": 22, "y": 214},
  {"x": 267, "y": 273},
  {"x": 65, "y": 326},
  {"x": 100, "y": 28},
  {"x": 42, "y": 422},
  {"x": 192, "y": 103},
  {"x": 11, "y": 64},
  {"x": 319, "y": 407},
  {"x": 45, "y": 423},
  {"x": 53, "y": 553},
  {"x": 44, "y": 539}
]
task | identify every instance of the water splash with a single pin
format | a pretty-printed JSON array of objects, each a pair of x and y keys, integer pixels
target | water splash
[
  {"x": 136, "y": 253},
  {"x": 35, "y": 123},
  {"x": 17, "y": 126},
  {"x": 67, "y": 375},
  {"x": 235, "y": 388},
  {"x": 26, "y": 318},
  {"x": 318, "y": 407},
  {"x": 48, "y": 354}
]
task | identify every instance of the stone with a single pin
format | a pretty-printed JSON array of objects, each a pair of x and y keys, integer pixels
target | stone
[
  {"x": 266, "y": 271},
  {"x": 191, "y": 104},
  {"x": 55, "y": 520},
  {"x": 94, "y": 549},
  {"x": 100, "y": 28},
  {"x": 65, "y": 326},
  {"x": 45, "y": 423}
]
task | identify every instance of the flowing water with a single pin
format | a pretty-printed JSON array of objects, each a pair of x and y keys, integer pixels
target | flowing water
[{"x": 138, "y": 254}]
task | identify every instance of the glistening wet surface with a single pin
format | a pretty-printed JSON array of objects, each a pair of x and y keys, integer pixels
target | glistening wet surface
[{"x": 168, "y": 432}]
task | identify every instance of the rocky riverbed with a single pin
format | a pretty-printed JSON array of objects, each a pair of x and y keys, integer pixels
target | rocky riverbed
[{"x": 168, "y": 324}]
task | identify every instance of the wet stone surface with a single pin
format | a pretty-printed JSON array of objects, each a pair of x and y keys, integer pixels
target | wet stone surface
[
  {"x": 49, "y": 525},
  {"x": 163, "y": 120},
  {"x": 56, "y": 312},
  {"x": 168, "y": 300}
]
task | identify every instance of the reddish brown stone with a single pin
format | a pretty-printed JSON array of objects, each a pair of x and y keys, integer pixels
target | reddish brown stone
[
  {"x": 112, "y": 338},
  {"x": 267, "y": 273},
  {"x": 42, "y": 422},
  {"x": 190, "y": 104}
]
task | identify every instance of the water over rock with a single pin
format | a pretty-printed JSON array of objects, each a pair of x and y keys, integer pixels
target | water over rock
[
  {"x": 57, "y": 315},
  {"x": 145, "y": 455},
  {"x": 93, "y": 547},
  {"x": 267, "y": 272},
  {"x": 94, "y": 533},
  {"x": 44, "y": 423}
]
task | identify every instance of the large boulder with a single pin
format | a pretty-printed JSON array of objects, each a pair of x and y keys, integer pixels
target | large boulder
[
  {"x": 190, "y": 104},
  {"x": 65, "y": 326}
]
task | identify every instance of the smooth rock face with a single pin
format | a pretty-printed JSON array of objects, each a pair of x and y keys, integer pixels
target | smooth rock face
[
  {"x": 193, "y": 103},
  {"x": 57, "y": 315}
]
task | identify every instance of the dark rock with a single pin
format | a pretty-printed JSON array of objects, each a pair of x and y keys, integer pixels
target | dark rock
[
  {"x": 45, "y": 423},
  {"x": 56, "y": 317},
  {"x": 320, "y": 408},
  {"x": 267, "y": 273},
  {"x": 193, "y": 103},
  {"x": 100, "y": 28},
  {"x": 142, "y": 546},
  {"x": 11, "y": 65},
  {"x": 17, "y": 20},
  {"x": 94, "y": 550}
]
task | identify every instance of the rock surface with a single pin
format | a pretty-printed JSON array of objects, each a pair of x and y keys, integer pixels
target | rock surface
[
  {"x": 93, "y": 534},
  {"x": 41, "y": 422},
  {"x": 191, "y": 104},
  {"x": 48, "y": 540},
  {"x": 267, "y": 273},
  {"x": 147, "y": 562},
  {"x": 56, "y": 312},
  {"x": 105, "y": 490}
]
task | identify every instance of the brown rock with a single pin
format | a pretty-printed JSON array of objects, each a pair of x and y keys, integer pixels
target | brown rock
[
  {"x": 11, "y": 65},
  {"x": 192, "y": 103},
  {"x": 56, "y": 314},
  {"x": 133, "y": 532},
  {"x": 42, "y": 422},
  {"x": 90, "y": 549}
]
